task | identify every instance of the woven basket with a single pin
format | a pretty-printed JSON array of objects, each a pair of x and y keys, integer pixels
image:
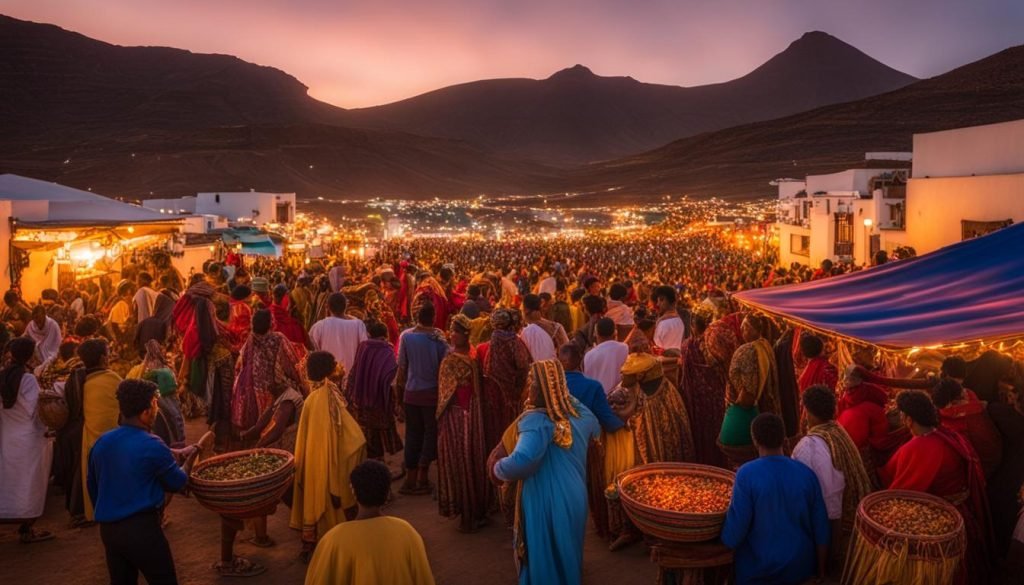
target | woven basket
[
  {"x": 53, "y": 410},
  {"x": 243, "y": 498},
  {"x": 667, "y": 524},
  {"x": 879, "y": 555},
  {"x": 951, "y": 544}
]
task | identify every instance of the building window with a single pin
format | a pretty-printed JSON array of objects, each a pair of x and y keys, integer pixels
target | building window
[
  {"x": 844, "y": 234},
  {"x": 973, "y": 229},
  {"x": 800, "y": 245},
  {"x": 216, "y": 198},
  {"x": 897, "y": 216}
]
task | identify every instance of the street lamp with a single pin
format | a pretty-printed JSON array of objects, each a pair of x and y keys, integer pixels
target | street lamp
[{"x": 867, "y": 244}]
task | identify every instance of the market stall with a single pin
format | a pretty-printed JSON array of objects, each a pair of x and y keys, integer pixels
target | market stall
[{"x": 962, "y": 299}]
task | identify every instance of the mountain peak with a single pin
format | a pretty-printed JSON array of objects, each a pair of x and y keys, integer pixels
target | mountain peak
[{"x": 577, "y": 71}]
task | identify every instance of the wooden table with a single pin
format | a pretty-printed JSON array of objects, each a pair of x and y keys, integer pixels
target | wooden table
[{"x": 693, "y": 563}]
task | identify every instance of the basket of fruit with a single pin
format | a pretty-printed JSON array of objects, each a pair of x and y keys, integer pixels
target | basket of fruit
[
  {"x": 680, "y": 502},
  {"x": 244, "y": 484},
  {"x": 53, "y": 410},
  {"x": 901, "y": 535}
]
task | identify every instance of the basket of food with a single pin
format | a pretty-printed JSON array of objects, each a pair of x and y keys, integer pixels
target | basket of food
[
  {"x": 244, "y": 484},
  {"x": 53, "y": 410},
  {"x": 903, "y": 536},
  {"x": 679, "y": 502}
]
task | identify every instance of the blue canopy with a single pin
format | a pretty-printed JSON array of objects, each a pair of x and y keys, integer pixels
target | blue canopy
[{"x": 967, "y": 292}]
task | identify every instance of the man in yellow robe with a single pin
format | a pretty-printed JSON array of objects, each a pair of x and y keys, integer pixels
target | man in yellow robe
[
  {"x": 328, "y": 446},
  {"x": 100, "y": 408},
  {"x": 373, "y": 548}
]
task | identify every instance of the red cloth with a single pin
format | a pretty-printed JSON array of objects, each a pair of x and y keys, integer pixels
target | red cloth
[
  {"x": 285, "y": 323},
  {"x": 971, "y": 420},
  {"x": 927, "y": 463},
  {"x": 865, "y": 423},
  {"x": 239, "y": 322},
  {"x": 818, "y": 371}
]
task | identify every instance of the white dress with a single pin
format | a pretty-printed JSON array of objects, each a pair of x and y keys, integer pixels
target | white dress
[{"x": 25, "y": 456}]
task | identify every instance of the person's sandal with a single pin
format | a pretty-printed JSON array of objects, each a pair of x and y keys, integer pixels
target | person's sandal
[
  {"x": 33, "y": 536},
  {"x": 239, "y": 567},
  {"x": 265, "y": 542}
]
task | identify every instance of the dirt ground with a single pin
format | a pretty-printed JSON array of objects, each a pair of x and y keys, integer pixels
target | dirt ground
[{"x": 75, "y": 557}]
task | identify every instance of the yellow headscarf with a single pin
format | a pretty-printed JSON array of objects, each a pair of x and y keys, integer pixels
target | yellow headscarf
[
  {"x": 642, "y": 365},
  {"x": 550, "y": 376}
]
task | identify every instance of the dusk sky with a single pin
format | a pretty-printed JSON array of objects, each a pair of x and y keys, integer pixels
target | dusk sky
[{"x": 355, "y": 54}]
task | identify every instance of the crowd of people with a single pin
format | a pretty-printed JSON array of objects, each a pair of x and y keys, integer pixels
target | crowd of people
[{"x": 516, "y": 379}]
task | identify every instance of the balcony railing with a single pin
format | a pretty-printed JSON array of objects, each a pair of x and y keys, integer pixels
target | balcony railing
[{"x": 844, "y": 249}]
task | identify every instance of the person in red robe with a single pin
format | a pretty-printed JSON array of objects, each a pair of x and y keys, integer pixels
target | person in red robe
[
  {"x": 969, "y": 416},
  {"x": 818, "y": 371},
  {"x": 428, "y": 289},
  {"x": 286, "y": 323},
  {"x": 942, "y": 462},
  {"x": 239, "y": 316},
  {"x": 861, "y": 411}
]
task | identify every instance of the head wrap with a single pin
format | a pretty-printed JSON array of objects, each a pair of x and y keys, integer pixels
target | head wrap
[
  {"x": 461, "y": 323},
  {"x": 642, "y": 365},
  {"x": 503, "y": 319},
  {"x": 470, "y": 309},
  {"x": 550, "y": 378}
]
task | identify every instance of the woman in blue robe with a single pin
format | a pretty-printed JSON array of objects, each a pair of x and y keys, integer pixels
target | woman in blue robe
[{"x": 548, "y": 465}]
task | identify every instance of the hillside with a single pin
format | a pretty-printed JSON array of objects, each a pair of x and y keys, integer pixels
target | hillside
[
  {"x": 142, "y": 121},
  {"x": 575, "y": 116},
  {"x": 739, "y": 162}
]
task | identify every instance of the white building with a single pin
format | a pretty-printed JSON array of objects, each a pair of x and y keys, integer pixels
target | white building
[
  {"x": 846, "y": 216},
  {"x": 966, "y": 182},
  {"x": 246, "y": 207}
]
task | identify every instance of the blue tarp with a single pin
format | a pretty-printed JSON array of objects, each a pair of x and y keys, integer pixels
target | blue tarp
[
  {"x": 252, "y": 243},
  {"x": 966, "y": 292}
]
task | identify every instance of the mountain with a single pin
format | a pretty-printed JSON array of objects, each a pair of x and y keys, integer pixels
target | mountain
[
  {"x": 739, "y": 162},
  {"x": 142, "y": 121},
  {"x": 575, "y": 116}
]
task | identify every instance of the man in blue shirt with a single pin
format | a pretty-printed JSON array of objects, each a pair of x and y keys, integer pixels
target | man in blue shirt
[
  {"x": 130, "y": 471},
  {"x": 777, "y": 522},
  {"x": 420, "y": 351},
  {"x": 587, "y": 390}
]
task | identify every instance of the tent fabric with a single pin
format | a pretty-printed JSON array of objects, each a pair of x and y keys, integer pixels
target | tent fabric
[
  {"x": 966, "y": 292},
  {"x": 266, "y": 248},
  {"x": 18, "y": 188}
]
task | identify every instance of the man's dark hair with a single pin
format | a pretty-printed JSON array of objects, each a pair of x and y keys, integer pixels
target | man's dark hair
[
  {"x": 91, "y": 352},
  {"x": 144, "y": 279},
  {"x": 87, "y": 326},
  {"x": 664, "y": 292},
  {"x": 826, "y": 265},
  {"x": 280, "y": 291},
  {"x": 577, "y": 294},
  {"x": 545, "y": 296},
  {"x": 426, "y": 314},
  {"x": 21, "y": 349},
  {"x": 241, "y": 292},
  {"x": 820, "y": 401},
  {"x": 590, "y": 280},
  {"x": 954, "y": 367},
  {"x": 11, "y": 297},
  {"x": 594, "y": 304},
  {"x": 376, "y": 330},
  {"x": 531, "y": 302},
  {"x": 946, "y": 392},
  {"x": 50, "y": 294},
  {"x": 919, "y": 407},
  {"x": 67, "y": 350},
  {"x": 319, "y": 365},
  {"x": 768, "y": 430},
  {"x": 811, "y": 345},
  {"x": 337, "y": 303},
  {"x": 261, "y": 322},
  {"x": 605, "y": 327},
  {"x": 881, "y": 257},
  {"x": 572, "y": 353},
  {"x": 473, "y": 291},
  {"x": 371, "y": 482},
  {"x": 38, "y": 311},
  {"x": 617, "y": 292},
  {"x": 135, "y": 396}
]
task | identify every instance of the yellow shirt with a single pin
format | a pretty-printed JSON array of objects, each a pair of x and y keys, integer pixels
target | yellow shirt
[
  {"x": 102, "y": 413},
  {"x": 120, "y": 313},
  {"x": 374, "y": 551}
]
